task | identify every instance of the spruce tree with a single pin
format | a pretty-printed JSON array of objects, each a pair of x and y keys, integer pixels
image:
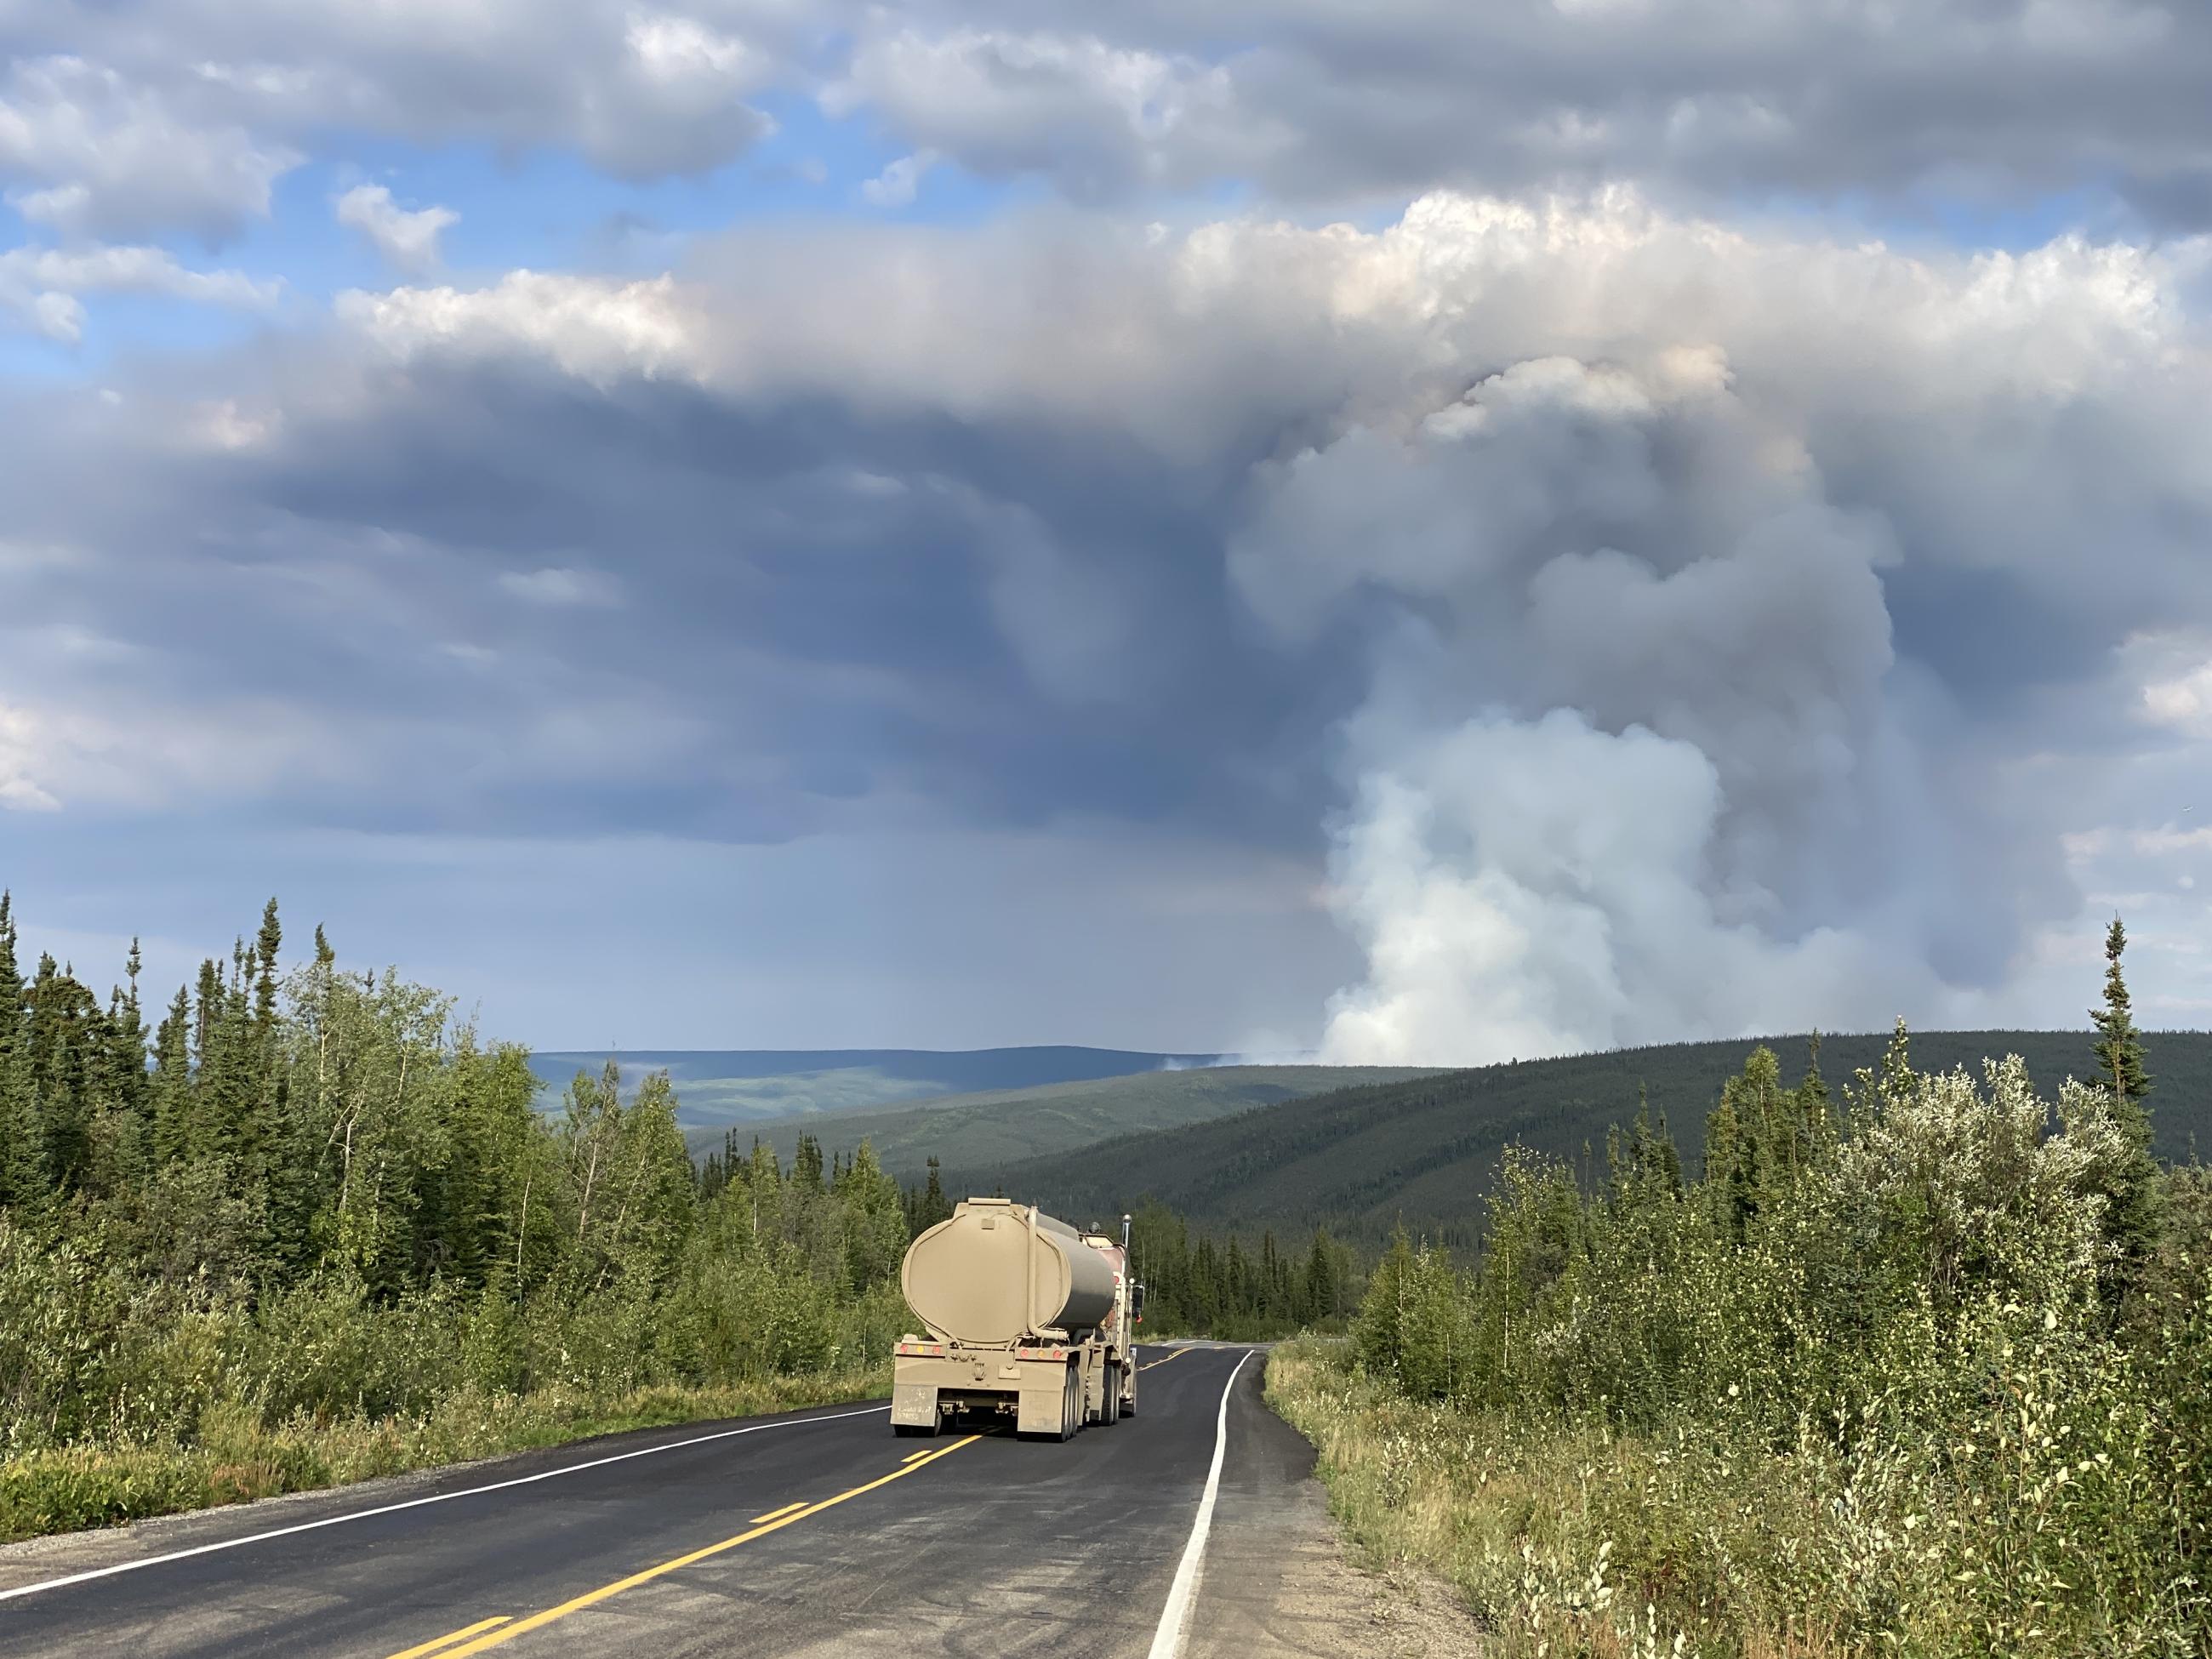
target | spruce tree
[
  {"x": 266, "y": 943},
  {"x": 22, "y": 1145},
  {"x": 933, "y": 1205},
  {"x": 1319, "y": 1290},
  {"x": 1751, "y": 1147},
  {"x": 11, "y": 982},
  {"x": 2119, "y": 1045},
  {"x": 64, "y": 1034},
  {"x": 22, "y": 1139},
  {"x": 128, "y": 1021},
  {"x": 2132, "y": 1214},
  {"x": 806, "y": 1164},
  {"x": 171, "y": 1083}
]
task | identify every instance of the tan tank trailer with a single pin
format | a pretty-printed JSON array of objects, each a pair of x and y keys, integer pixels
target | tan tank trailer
[{"x": 1028, "y": 1320}]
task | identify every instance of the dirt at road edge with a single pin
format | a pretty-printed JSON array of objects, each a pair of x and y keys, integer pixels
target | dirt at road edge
[{"x": 1280, "y": 1581}]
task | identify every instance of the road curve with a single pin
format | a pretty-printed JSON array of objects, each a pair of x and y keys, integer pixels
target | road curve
[{"x": 814, "y": 1533}]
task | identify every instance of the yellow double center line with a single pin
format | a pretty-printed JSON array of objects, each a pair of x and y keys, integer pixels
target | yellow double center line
[
  {"x": 486, "y": 1637},
  {"x": 1156, "y": 1363},
  {"x": 462, "y": 1634}
]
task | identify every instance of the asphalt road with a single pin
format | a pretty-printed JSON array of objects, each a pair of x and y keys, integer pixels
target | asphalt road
[{"x": 815, "y": 1534}]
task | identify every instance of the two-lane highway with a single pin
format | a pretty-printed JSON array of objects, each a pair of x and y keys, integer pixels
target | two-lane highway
[{"x": 817, "y": 1533}]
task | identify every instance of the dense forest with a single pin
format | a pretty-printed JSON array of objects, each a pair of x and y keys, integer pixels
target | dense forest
[
  {"x": 302, "y": 1224},
  {"x": 1425, "y": 1153},
  {"x": 1923, "y": 1365}
]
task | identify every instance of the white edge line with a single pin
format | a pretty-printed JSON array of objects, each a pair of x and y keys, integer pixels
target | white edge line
[
  {"x": 1167, "y": 1640},
  {"x": 417, "y": 1503}
]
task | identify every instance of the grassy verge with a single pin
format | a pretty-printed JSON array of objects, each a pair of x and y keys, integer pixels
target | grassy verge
[
  {"x": 1561, "y": 1541},
  {"x": 235, "y": 1457},
  {"x": 1571, "y": 1539}
]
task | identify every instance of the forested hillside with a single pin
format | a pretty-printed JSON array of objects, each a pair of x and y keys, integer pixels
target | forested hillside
[
  {"x": 1361, "y": 1160},
  {"x": 978, "y": 1131}
]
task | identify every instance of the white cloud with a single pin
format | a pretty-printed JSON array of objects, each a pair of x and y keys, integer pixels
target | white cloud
[
  {"x": 182, "y": 116},
  {"x": 2170, "y": 839},
  {"x": 22, "y": 758},
  {"x": 2183, "y": 702},
  {"x": 896, "y": 185},
  {"x": 592, "y": 328},
  {"x": 95, "y": 155},
  {"x": 406, "y": 238},
  {"x": 40, "y": 285},
  {"x": 222, "y": 423}
]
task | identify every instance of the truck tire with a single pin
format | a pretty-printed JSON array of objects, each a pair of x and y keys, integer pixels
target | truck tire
[
  {"x": 1111, "y": 1412},
  {"x": 1070, "y": 1409}
]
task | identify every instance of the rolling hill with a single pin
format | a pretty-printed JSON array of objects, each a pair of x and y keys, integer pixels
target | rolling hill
[
  {"x": 972, "y": 1131},
  {"x": 1425, "y": 1150},
  {"x": 716, "y": 1087}
]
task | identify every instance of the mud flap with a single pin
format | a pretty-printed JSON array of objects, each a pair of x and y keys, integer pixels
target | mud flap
[
  {"x": 913, "y": 1405},
  {"x": 1044, "y": 1400}
]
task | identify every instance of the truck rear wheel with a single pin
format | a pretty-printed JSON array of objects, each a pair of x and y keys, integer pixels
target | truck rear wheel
[
  {"x": 1071, "y": 1411},
  {"x": 1110, "y": 1413}
]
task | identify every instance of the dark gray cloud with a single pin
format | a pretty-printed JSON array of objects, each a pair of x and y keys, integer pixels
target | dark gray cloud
[
  {"x": 119, "y": 120},
  {"x": 1993, "y": 102},
  {"x": 1585, "y": 583}
]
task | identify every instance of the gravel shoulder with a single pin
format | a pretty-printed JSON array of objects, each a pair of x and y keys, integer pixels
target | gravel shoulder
[{"x": 1280, "y": 1579}]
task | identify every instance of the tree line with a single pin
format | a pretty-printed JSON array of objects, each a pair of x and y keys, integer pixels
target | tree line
[{"x": 319, "y": 1192}]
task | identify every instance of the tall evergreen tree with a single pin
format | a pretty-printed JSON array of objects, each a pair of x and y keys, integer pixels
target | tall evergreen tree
[
  {"x": 1320, "y": 1289},
  {"x": 2119, "y": 1045},
  {"x": 2133, "y": 1195},
  {"x": 806, "y": 1164},
  {"x": 171, "y": 1087},
  {"x": 22, "y": 1139},
  {"x": 129, "y": 1022},
  {"x": 930, "y": 1205},
  {"x": 64, "y": 1032},
  {"x": 266, "y": 943}
]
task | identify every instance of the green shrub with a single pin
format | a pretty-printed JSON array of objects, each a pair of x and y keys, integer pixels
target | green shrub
[{"x": 1861, "y": 1391}]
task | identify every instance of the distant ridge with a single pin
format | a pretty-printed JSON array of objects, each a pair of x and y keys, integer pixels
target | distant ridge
[
  {"x": 1425, "y": 1152},
  {"x": 965, "y": 1131},
  {"x": 718, "y": 1086}
]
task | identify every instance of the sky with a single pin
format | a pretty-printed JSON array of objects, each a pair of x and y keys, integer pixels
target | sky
[{"x": 1412, "y": 532}]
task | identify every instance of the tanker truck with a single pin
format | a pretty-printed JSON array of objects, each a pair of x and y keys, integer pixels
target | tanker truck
[{"x": 1029, "y": 1321}]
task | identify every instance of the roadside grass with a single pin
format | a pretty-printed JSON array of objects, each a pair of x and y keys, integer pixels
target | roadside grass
[
  {"x": 234, "y": 1457},
  {"x": 1561, "y": 1541},
  {"x": 1566, "y": 1537}
]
